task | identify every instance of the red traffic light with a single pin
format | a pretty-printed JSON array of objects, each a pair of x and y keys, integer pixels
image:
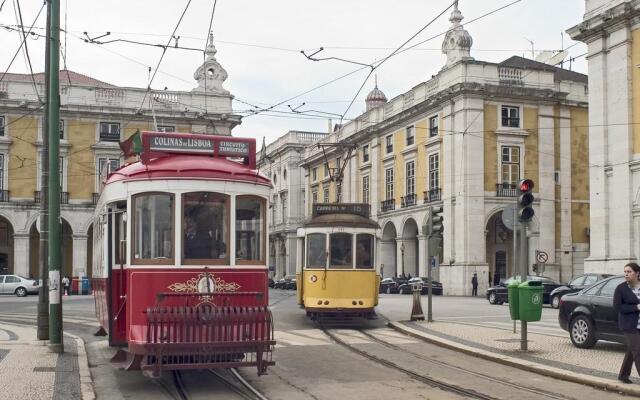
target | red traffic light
[{"x": 525, "y": 185}]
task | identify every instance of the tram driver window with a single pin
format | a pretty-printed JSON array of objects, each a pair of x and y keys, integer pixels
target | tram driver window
[
  {"x": 316, "y": 250},
  {"x": 364, "y": 251},
  {"x": 249, "y": 229},
  {"x": 341, "y": 249},
  {"x": 206, "y": 227},
  {"x": 153, "y": 228}
]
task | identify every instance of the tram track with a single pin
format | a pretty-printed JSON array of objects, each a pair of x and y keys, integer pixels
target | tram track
[
  {"x": 464, "y": 370},
  {"x": 242, "y": 387},
  {"x": 446, "y": 386}
]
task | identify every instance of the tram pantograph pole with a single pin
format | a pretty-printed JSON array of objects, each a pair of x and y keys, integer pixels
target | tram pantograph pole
[
  {"x": 55, "y": 300},
  {"x": 43, "y": 270}
]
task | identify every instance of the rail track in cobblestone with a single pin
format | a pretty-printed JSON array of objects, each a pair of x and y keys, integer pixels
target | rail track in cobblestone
[{"x": 431, "y": 381}]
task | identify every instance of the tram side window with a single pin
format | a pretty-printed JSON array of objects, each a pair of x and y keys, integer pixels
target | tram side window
[
  {"x": 341, "y": 249},
  {"x": 153, "y": 221},
  {"x": 206, "y": 227},
  {"x": 249, "y": 230},
  {"x": 364, "y": 251},
  {"x": 316, "y": 250}
]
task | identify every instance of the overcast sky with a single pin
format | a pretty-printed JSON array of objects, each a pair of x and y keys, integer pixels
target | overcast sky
[{"x": 259, "y": 45}]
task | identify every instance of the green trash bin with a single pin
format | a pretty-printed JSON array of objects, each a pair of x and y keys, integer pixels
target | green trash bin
[
  {"x": 512, "y": 292},
  {"x": 530, "y": 296}
]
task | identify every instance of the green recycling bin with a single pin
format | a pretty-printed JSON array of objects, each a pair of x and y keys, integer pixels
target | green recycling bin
[
  {"x": 530, "y": 294},
  {"x": 512, "y": 292}
]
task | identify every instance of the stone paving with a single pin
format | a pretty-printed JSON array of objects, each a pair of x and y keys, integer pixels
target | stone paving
[
  {"x": 551, "y": 349},
  {"x": 28, "y": 370}
]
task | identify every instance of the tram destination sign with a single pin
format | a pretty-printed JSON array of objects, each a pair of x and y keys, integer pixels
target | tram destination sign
[
  {"x": 346, "y": 208},
  {"x": 171, "y": 144}
]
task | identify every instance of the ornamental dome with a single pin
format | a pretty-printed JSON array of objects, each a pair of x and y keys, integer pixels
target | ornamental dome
[{"x": 375, "y": 98}]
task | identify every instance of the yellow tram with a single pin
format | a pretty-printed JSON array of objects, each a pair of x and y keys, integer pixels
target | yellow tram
[{"x": 336, "y": 275}]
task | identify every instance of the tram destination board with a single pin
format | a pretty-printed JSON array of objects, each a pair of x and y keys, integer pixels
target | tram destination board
[
  {"x": 347, "y": 208},
  {"x": 181, "y": 144}
]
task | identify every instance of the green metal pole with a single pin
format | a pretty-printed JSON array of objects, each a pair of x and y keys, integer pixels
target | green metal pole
[
  {"x": 43, "y": 269},
  {"x": 55, "y": 299}
]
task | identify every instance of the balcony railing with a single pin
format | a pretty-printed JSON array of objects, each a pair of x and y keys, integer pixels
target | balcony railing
[
  {"x": 507, "y": 190},
  {"x": 432, "y": 195},
  {"x": 4, "y": 196},
  {"x": 64, "y": 197},
  {"x": 408, "y": 200},
  {"x": 388, "y": 205},
  {"x": 94, "y": 198}
]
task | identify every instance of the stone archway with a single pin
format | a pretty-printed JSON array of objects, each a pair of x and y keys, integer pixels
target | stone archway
[
  {"x": 409, "y": 243},
  {"x": 388, "y": 267},
  {"x": 6, "y": 247},
  {"x": 499, "y": 248},
  {"x": 66, "y": 260}
]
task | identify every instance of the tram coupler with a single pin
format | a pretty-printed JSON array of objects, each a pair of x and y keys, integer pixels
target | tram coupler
[{"x": 416, "y": 311}]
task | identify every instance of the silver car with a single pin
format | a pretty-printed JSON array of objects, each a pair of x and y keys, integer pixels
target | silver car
[{"x": 14, "y": 284}]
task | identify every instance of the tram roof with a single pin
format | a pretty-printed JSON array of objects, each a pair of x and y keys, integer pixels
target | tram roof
[
  {"x": 341, "y": 220},
  {"x": 189, "y": 167}
]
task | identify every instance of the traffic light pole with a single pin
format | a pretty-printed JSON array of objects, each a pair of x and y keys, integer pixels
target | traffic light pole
[
  {"x": 514, "y": 258},
  {"x": 524, "y": 255},
  {"x": 55, "y": 299}
]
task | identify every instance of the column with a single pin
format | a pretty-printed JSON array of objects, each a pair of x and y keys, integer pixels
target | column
[
  {"x": 423, "y": 259},
  {"x": 80, "y": 255},
  {"x": 21, "y": 254}
]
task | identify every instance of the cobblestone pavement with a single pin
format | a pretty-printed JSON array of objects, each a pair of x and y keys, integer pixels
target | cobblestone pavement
[
  {"x": 28, "y": 370},
  {"x": 548, "y": 345}
]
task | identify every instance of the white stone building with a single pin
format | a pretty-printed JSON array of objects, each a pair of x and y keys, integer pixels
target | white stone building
[
  {"x": 280, "y": 161},
  {"x": 611, "y": 30}
]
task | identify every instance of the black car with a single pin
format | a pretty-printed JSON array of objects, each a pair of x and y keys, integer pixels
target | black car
[
  {"x": 271, "y": 283},
  {"x": 589, "y": 316},
  {"x": 576, "y": 285},
  {"x": 282, "y": 283},
  {"x": 390, "y": 285},
  {"x": 498, "y": 294},
  {"x": 407, "y": 287}
]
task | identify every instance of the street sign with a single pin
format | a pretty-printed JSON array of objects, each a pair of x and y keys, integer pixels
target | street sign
[
  {"x": 507, "y": 216},
  {"x": 434, "y": 262},
  {"x": 541, "y": 256}
]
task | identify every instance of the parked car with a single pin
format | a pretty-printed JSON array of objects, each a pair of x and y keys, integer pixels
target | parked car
[
  {"x": 576, "y": 285},
  {"x": 290, "y": 283},
  {"x": 390, "y": 285},
  {"x": 407, "y": 287},
  {"x": 14, "y": 284},
  {"x": 498, "y": 294},
  {"x": 589, "y": 315},
  {"x": 271, "y": 283}
]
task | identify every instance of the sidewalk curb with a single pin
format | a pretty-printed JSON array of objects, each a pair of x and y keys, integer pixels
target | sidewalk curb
[
  {"x": 515, "y": 362},
  {"x": 86, "y": 382}
]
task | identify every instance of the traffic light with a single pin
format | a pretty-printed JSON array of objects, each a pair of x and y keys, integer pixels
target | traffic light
[
  {"x": 525, "y": 201},
  {"x": 437, "y": 224}
]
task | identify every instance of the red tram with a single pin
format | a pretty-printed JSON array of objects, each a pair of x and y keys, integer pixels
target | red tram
[{"x": 180, "y": 256}]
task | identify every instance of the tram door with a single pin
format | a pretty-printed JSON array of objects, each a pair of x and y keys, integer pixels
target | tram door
[{"x": 116, "y": 260}]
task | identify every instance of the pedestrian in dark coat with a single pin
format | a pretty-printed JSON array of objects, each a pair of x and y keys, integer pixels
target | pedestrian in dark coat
[
  {"x": 474, "y": 284},
  {"x": 496, "y": 279},
  {"x": 626, "y": 301}
]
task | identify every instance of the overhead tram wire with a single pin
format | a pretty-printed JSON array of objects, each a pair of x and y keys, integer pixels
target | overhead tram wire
[{"x": 22, "y": 43}]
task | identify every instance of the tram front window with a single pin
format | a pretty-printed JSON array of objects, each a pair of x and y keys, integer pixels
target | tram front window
[
  {"x": 316, "y": 250},
  {"x": 341, "y": 246},
  {"x": 153, "y": 216},
  {"x": 206, "y": 221},
  {"x": 249, "y": 230},
  {"x": 364, "y": 251}
]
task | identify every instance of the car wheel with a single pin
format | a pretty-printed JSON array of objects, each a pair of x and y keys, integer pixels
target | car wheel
[
  {"x": 493, "y": 299},
  {"x": 582, "y": 332},
  {"x": 21, "y": 292},
  {"x": 555, "y": 302}
]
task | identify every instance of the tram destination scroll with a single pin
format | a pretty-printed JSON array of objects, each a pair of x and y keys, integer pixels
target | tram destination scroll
[{"x": 346, "y": 208}]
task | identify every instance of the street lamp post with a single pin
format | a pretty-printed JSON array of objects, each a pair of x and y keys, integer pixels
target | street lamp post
[{"x": 402, "y": 254}]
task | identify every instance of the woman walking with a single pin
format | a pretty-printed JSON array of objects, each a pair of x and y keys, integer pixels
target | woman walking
[{"x": 626, "y": 301}]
